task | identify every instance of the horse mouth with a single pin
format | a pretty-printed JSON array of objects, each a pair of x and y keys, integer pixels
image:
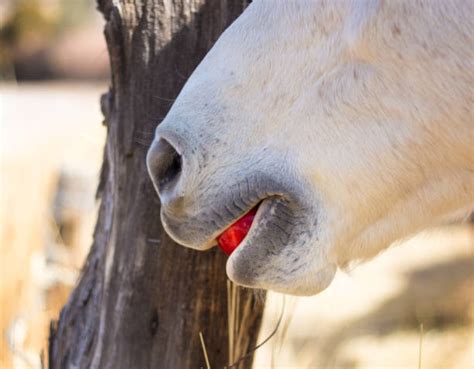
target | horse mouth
[
  {"x": 233, "y": 236},
  {"x": 250, "y": 228}
]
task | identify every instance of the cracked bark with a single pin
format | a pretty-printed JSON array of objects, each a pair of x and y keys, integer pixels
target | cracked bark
[{"x": 141, "y": 300}]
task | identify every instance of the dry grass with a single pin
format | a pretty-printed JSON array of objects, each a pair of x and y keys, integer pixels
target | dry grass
[
  {"x": 204, "y": 350},
  {"x": 22, "y": 232},
  {"x": 237, "y": 353},
  {"x": 420, "y": 347},
  {"x": 44, "y": 131}
]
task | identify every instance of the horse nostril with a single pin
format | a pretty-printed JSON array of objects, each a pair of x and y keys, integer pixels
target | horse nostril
[{"x": 165, "y": 165}]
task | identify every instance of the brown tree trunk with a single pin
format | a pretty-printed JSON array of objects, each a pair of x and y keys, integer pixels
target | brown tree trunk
[{"x": 142, "y": 300}]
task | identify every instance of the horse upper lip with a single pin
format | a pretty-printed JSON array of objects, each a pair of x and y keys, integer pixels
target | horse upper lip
[{"x": 198, "y": 227}]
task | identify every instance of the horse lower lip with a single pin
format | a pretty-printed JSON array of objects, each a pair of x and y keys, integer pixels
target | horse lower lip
[{"x": 231, "y": 238}]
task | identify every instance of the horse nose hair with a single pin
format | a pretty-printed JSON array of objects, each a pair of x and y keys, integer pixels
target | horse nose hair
[{"x": 165, "y": 167}]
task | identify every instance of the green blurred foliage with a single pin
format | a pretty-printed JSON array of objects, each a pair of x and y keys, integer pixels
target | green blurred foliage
[
  {"x": 27, "y": 19},
  {"x": 74, "y": 13},
  {"x": 37, "y": 23}
]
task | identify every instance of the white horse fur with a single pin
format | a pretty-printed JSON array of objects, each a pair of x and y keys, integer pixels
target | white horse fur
[{"x": 350, "y": 121}]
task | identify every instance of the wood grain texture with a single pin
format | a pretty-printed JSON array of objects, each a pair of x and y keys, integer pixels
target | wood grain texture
[{"x": 142, "y": 300}]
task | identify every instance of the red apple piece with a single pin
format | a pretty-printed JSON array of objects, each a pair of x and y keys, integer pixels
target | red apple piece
[{"x": 230, "y": 239}]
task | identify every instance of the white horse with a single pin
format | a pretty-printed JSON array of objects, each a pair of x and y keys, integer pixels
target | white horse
[{"x": 348, "y": 123}]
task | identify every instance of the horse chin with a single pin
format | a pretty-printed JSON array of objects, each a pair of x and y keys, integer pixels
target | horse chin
[
  {"x": 311, "y": 284},
  {"x": 281, "y": 251}
]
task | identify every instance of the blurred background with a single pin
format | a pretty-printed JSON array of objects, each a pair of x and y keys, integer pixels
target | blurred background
[
  {"x": 53, "y": 68},
  {"x": 413, "y": 304}
]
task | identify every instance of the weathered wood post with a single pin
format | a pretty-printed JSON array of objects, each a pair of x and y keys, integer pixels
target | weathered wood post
[{"x": 141, "y": 300}]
